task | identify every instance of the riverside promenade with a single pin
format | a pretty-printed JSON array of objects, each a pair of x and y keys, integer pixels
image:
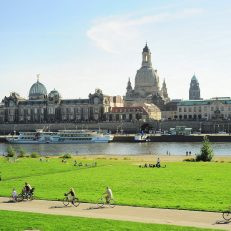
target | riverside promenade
[{"x": 200, "y": 219}]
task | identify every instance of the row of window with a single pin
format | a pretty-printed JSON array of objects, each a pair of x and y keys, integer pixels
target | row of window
[{"x": 200, "y": 108}]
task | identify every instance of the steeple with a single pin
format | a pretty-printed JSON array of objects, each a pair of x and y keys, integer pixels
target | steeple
[
  {"x": 129, "y": 85},
  {"x": 129, "y": 88},
  {"x": 164, "y": 91},
  {"x": 146, "y": 54}
]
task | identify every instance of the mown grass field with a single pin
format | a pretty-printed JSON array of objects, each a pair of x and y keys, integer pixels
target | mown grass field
[
  {"x": 181, "y": 185},
  {"x": 31, "y": 221}
]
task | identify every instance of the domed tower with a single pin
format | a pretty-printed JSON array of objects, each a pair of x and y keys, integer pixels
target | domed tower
[
  {"x": 194, "y": 90},
  {"x": 54, "y": 96},
  {"x": 37, "y": 91},
  {"x": 147, "y": 79}
]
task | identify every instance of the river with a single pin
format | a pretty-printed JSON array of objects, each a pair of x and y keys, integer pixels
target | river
[{"x": 152, "y": 148}]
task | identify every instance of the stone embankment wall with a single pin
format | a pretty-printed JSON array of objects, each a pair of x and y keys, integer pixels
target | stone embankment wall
[{"x": 123, "y": 127}]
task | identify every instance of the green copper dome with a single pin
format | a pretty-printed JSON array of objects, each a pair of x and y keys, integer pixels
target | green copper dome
[
  {"x": 37, "y": 91},
  {"x": 194, "y": 78}
]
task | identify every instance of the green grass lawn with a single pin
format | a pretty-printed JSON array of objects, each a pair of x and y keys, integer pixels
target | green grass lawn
[
  {"x": 181, "y": 185},
  {"x": 32, "y": 221}
]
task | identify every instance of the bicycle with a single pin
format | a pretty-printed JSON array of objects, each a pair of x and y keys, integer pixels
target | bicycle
[
  {"x": 227, "y": 215},
  {"x": 102, "y": 202},
  {"x": 13, "y": 199},
  {"x": 26, "y": 195},
  {"x": 67, "y": 200}
]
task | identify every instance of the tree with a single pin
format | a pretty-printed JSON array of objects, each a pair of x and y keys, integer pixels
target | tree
[
  {"x": 22, "y": 152},
  {"x": 10, "y": 151},
  {"x": 206, "y": 151}
]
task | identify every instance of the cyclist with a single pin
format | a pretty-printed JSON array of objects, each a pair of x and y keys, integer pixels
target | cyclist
[
  {"x": 27, "y": 189},
  {"x": 108, "y": 194},
  {"x": 72, "y": 195},
  {"x": 14, "y": 194}
]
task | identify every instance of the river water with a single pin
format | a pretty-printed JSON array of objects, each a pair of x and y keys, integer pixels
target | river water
[{"x": 151, "y": 148}]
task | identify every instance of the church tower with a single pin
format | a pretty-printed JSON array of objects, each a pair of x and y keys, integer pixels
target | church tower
[
  {"x": 129, "y": 88},
  {"x": 194, "y": 90},
  {"x": 164, "y": 92}
]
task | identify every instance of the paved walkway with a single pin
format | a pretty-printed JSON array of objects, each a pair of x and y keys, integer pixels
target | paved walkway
[{"x": 126, "y": 213}]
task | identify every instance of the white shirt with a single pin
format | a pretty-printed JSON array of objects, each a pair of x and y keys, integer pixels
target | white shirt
[
  {"x": 14, "y": 193},
  {"x": 109, "y": 192}
]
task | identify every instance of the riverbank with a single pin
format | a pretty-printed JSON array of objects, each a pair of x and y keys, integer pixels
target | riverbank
[{"x": 144, "y": 158}]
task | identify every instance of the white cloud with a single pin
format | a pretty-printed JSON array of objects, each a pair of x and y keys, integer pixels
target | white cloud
[{"x": 113, "y": 33}]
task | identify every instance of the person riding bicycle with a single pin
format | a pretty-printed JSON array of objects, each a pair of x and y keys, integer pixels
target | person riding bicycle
[
  {"x": 27, "y": 188},
  {"x": 14, "y": 194},
  {"x": 108, "y": 194},
  {"x": 72, "y": 195}
]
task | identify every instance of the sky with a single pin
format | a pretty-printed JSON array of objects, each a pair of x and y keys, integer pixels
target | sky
[{"x": 78, "y": 46}]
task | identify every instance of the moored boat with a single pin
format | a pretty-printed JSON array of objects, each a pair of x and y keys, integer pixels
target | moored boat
[
  {"x": 141, "y": 138},
  {"x": 62, "y": 136}
]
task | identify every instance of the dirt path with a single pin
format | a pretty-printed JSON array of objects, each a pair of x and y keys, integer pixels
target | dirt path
[{"x": 126, "y": 213}]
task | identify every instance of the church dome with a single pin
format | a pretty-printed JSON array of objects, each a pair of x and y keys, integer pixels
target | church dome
[
  {"x": 37, "y": 91},
  {"x": 54, "y": 96},
  {"x": 54, "y": 93}
]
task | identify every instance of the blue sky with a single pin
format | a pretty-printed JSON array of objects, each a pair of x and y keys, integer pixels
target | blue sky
[{"x": 78, "y": 46}]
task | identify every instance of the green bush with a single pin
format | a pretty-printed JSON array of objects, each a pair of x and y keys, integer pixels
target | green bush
[
  {"x": 206, "y": 153},
  {"x": 10, "y": 151},
  {"x": 22, "y": 152},
  {"x": 66, "y": 156},
  {"x": 34, "y": 155},
  {"x": 189, "y": 159}
]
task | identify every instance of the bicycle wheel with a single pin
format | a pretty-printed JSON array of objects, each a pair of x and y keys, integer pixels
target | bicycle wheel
[
  {"x": 100, "y": 203},
  {"x": 31, "y": 197},
  {"x": 20, "y": 197},
  {"x": 76, "y": 202},
  {"x": 111, "y": 203},
  {"x": 66, "y": 201},
  {"x": 227, "y": 215}
]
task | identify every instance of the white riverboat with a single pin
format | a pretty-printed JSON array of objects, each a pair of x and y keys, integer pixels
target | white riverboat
[
  {"x": 62, "y": 137},
  {"x": 141, "y": 138}
]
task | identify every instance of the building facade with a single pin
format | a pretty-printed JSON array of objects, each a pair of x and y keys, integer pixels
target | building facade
[{"x": 42, "y": 107}]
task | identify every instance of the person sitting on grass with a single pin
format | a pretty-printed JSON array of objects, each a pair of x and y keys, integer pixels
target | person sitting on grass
[
  {"x": 72, "y": 195},
  {"x": 108, "y": 195},
  {"x": 158, "y": 163}
]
